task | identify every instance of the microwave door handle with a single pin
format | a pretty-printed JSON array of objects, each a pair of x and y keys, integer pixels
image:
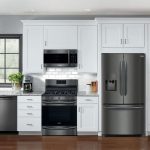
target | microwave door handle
[{"x": 68, "y": 57}]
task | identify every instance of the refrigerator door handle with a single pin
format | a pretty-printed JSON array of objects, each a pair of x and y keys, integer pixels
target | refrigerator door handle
[
  {"x": 121, "y": 74},
  {"x": 125, "y": 79}
]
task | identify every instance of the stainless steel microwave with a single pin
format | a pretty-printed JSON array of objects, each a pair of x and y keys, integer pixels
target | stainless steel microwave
[{"x": 60, "y": 58}]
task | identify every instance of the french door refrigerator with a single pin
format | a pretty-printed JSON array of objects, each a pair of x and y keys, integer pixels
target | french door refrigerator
[{"x": 123, "y": 94}]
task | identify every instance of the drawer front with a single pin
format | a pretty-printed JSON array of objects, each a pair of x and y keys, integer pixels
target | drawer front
[
  {"x": 27, "y": 99},
  {"x": 29, "y": 124},
  {"x": 29, "y": 113},
  {"x": 29, "y": 106},
  {"x": 87, "y": 99}
]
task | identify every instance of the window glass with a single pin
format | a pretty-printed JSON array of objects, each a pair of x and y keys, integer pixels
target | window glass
[{"x": 9, "y": 57}]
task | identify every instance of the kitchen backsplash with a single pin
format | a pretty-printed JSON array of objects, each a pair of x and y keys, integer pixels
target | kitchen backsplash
[{"x": 62, "y": 73}]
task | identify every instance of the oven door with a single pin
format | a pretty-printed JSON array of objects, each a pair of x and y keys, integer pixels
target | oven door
[
  {"x": 56, "y": 58},
  {"x": 59, "y": 119}
]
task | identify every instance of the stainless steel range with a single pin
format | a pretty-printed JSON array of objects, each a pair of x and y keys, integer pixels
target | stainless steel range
[{"x": 59, "y": 107}]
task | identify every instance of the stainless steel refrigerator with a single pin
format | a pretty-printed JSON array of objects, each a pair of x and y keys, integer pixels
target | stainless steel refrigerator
[{"x": 123, "y": 94}]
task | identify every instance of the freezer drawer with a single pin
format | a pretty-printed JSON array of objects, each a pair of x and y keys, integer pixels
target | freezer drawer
[{"x": 123, "y": 120}]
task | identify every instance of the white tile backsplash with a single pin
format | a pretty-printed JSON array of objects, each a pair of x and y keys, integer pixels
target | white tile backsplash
[{"x": 62, "y": 73}]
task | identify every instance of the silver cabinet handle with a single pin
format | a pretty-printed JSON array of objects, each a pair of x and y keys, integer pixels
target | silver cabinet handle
[
  {"x": 29, "y": 113},
  {"x": 30, "y": 99},
  {"x": 41, "y": 66},
  {"x": 120, "y": 41},
  {"x": 45, "y": 43},
  {"x": 29, "y": 106},
  {"x": 88, "y": 99},
  {"x": 125, "y": 41},
  {"x": 29, "y": 124}
]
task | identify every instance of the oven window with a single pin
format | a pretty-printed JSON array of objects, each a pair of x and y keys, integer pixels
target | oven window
[
  {"x": 59, "y": 116},
  {"x": 56, "y": 58}
]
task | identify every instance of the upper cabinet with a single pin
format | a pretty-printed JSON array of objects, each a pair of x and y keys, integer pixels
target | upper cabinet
[
  {"x": 60, "y": 37},
  {"x": 33, "y": 49},
  {"x": 134, "y": 35},
  {"x": 123, "y": 35},
  {"x": 87, "y": 49},
  {"x": 112, "y": 35}
]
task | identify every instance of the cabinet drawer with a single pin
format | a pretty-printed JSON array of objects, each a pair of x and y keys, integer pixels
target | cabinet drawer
[
  {"x": 29, "y": 106},
  {"x": 29, "y": 113},
  {"x": 29, "y": 124},
  {"x": 27, "y": 99},
  {"x": 87, "y": 99}
]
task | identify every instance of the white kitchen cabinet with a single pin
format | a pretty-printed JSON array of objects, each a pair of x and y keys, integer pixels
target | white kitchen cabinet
[
  {"x": 134, "y": 35},
  {"x": 87, "y": 114},
  {"x": 29, "y": 113},
  {"x": 60, "y": 37},
  {"x": 112, "y": 35},
  {"x": 123, "y": 35},
  {"x": 87, "y": 49},
  {"x": 33, "y": 49}
]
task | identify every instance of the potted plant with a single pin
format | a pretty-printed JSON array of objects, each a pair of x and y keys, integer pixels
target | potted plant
[{"x": 16, "y": 80}]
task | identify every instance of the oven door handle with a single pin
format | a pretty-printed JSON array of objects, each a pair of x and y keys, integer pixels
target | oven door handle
[
  {"x": 59, "y": 104},
  {"x": 58, "y": 127}
]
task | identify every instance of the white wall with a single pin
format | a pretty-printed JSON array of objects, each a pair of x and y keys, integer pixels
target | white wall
[{"x": 11, "y": 24}]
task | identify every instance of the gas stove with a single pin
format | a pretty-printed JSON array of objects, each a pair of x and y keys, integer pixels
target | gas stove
[{"x": 60, "y": 90}]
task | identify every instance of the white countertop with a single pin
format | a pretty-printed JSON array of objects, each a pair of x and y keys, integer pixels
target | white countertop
[{"x": 9, "y": 91}]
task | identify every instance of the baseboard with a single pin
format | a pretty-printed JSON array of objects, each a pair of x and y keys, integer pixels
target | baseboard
[
  {"x": 29, "y": 133},
  {"x": 87, "y": 133}
]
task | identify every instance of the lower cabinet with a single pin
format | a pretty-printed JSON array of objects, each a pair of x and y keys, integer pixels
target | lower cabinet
[
  {"x": 87, "y": 114},
  {"x": 29, "y": 113}
]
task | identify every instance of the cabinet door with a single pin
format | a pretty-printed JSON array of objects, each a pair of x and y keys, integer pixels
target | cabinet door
[
  {"x": 60, "y": 37},
  {"x": 112, "y": 35},
  {"x": 33, "y": 49},
  {"x": 134, "y": 35},
  {"x": 87, "y": 46},
  {"x": 87, "y": 117}
]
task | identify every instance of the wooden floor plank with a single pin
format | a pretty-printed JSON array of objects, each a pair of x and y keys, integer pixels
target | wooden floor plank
[{"x": 15, "y": 142}]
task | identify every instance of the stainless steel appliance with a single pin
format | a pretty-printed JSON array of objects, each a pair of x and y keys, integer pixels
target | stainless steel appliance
[
  {"x": 123, "y": 94},
  {"x": 27, "y": 84},
  {"x": 60, "y": 58},
  {"x": 59, "y": 107},
  {"x": 8, "y": 114}
]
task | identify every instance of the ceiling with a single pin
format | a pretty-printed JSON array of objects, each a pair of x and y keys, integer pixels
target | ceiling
[{"x": 74, "y": 7}]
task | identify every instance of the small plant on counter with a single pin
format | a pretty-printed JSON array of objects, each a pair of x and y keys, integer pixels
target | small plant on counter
[{"x": 16, "y": 79}]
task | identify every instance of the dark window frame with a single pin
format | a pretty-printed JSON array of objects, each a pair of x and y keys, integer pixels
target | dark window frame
[{"x": 13, "y": 36}]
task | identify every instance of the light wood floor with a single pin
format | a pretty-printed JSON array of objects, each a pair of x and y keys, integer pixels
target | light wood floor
[{"x": 14, "y": 142}]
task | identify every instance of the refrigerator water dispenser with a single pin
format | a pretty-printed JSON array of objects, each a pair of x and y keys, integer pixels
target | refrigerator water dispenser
[{"x": 111, "y": 85}]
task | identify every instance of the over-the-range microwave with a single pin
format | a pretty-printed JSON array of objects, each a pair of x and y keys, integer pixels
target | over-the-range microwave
[{"x": 60, "y": 58}]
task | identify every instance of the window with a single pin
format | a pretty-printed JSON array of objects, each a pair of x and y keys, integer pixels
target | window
[{"x": 10, "y": 56}]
